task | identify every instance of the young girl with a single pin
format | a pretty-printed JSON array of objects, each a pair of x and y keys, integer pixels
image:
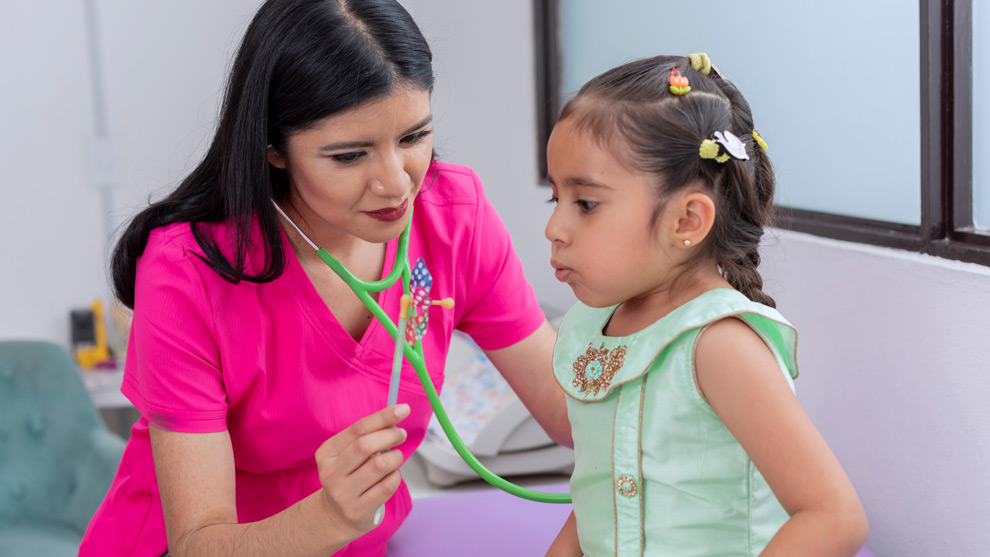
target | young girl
[{"x": 687, "y": 435}]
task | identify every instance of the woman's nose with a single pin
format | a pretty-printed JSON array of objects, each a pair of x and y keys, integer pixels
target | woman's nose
[{"x": 391, "y": 178}]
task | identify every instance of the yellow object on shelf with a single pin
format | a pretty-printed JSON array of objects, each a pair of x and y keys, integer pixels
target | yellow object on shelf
[{"x": 89, "y": 356}]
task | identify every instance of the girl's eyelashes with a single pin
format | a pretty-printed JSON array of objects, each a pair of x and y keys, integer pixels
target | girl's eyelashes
[{"x": 586, "y": 206}]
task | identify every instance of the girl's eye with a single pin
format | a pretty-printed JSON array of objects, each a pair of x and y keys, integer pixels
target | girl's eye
[
  {"x": 416, "y": 137},
  {"x": 347, "y": 158},
  {"x": 586, "y": 206},
  {"x": 552, "y": 201}
]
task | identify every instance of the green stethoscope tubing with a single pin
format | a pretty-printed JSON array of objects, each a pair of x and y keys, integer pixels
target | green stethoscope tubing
[{"x": 415, "y": 356}]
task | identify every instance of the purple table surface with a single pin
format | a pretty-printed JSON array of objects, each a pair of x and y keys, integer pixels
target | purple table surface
[{"x": 486, "y": 523}]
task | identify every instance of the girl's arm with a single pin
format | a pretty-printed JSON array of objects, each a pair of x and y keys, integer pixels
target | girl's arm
[
  {"x": 196, "y": 478},
  {"x": 528, "y": 368},
  {"x": 739, "y": 376},
  {"x": 566, "y": 544}
]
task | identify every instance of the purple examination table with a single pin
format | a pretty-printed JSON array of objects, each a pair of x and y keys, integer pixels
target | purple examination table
[{"x": 482, "y": 524}]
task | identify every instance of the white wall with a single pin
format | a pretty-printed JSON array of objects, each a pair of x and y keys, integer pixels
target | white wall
[
  {"x": 163, "y": 67},
  {"x": 893, "y": 349}
]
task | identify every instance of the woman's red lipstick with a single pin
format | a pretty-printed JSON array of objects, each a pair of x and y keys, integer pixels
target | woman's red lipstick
[{"x": 389, "y": 214}]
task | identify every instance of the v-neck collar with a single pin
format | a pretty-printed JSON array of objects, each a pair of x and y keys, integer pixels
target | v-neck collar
[{"x": 323, "y": 320}]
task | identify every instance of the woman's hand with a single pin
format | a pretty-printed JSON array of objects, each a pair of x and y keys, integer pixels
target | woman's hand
[
  {"x": 358, "y": 472},
  {"x": 196, "y": 478}
]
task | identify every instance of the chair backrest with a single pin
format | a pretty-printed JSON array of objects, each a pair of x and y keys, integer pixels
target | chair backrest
[{"x": 57, "y": 457}]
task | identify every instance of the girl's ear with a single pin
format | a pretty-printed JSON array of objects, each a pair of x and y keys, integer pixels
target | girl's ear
[
  {"x": 695, "y": 218},
  {"x": 275, "y": 159}
]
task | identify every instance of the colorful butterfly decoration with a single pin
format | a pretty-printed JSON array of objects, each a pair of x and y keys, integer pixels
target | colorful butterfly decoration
[{"x": 419, "y": 288}]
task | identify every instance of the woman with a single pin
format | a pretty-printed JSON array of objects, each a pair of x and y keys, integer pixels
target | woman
[{"x": 259, "y": 375}]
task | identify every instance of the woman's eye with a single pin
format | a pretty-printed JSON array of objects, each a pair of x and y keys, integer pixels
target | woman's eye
[
  {"x": 347, "y": 158},
  {"x": 416, "y": 137},
  {"x": 586, "y": 206}
]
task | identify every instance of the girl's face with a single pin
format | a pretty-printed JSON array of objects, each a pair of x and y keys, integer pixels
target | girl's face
[
  {"x": 603, "y": 242},
  {"x": 355, "y": 174}
]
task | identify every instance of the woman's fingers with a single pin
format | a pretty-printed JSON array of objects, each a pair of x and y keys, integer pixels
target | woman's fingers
[
  {"x": 357, "y": 470},
  {"x": 385, "y": 418}
]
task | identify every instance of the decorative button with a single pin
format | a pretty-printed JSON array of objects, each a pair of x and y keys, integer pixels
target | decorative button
[{"x": 626, "y": 486}]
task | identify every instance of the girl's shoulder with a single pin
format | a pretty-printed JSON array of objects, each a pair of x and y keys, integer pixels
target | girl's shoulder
[{"x": 580, "y": 338}]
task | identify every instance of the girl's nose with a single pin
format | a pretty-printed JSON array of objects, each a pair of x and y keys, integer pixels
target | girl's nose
[{"x": 555, "y": 231}]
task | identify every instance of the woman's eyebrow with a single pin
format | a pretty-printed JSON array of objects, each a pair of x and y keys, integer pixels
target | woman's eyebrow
[
  {"x": 422, "y": 123},
  {"x": 342, "y": 145}
]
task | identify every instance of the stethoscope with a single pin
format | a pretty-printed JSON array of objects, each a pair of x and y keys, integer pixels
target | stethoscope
[{"x": 414, "y": 353}]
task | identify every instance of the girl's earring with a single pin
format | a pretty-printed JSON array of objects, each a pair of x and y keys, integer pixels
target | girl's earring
[{"x": 687, "y": 243}]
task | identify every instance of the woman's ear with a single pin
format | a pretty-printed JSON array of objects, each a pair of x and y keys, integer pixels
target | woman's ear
[
  {"x": 695, "y": 218},
  {"x": 275, "y": 159}
]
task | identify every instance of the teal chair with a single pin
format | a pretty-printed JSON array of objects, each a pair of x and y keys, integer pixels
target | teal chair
[{"x": 57, "y": 458}]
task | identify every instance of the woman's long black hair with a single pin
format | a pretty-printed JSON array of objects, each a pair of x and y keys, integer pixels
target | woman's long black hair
[{"x": 299, "y": 62}]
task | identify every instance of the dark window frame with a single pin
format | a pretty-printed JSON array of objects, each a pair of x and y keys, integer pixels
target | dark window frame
[{"x": 945, "y": 58}]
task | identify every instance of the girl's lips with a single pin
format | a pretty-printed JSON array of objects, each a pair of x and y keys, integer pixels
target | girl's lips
[
  {"x": 562, "y": 274},
  {"x": 390, "y": 214}
]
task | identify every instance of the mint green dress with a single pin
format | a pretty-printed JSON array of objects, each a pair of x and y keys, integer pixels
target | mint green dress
[{"x": 656, "y": 472}]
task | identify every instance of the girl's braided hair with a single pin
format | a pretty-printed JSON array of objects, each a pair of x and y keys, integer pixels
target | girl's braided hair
[{"x": 632, "y": 110}]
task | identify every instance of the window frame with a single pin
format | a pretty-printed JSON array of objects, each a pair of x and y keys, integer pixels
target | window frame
[{"x": 946, "y": 188}]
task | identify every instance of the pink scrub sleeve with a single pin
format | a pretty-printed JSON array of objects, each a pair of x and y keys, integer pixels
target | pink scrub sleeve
[
  {"x": 173, "y": 364},
  {"x": 501, "y": 306}
]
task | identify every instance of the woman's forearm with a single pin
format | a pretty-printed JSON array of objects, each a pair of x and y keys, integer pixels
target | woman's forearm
[{"x": 305, "y": 528}]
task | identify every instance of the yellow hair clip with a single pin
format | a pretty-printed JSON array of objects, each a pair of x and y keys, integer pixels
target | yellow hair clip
[
  {"x": 709, "y": 149},
  {"x": 700, "y": 62},
  {"x": 759, "y": 140},
  {"x": 734, "y": 148}
]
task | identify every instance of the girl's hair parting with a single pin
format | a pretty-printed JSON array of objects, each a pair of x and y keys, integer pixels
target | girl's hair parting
[
  {"x": 299, "y": 62},
  {"x": 631, "y": 110}
]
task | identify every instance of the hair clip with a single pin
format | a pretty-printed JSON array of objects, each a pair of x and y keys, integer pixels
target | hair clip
[
  {"x": 700, "y": 62},
  {"x": 733, "y": 147},
  {"x": 679, "y": 84},
  {"x": 759, "y": 139},
  {"x": 703, "y": 64}
]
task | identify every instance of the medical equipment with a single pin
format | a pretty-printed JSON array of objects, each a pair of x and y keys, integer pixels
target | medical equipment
[{"x": 414, "y": 353}]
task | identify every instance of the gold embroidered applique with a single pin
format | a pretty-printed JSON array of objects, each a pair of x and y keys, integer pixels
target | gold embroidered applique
[{"x": 594, "y": 370}]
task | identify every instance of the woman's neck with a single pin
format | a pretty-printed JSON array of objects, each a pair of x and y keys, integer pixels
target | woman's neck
[{"x": 338, "y": 243}]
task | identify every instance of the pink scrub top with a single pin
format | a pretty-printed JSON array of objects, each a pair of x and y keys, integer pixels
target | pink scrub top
[{"x": 270, "y": 364}]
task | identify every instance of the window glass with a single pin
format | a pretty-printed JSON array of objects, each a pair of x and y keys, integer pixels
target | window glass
[
  {"x": 833, "y": 86},
  {"x": 981, "y": 116}
]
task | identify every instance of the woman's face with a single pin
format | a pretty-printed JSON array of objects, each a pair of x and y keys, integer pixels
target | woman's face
[{"x": 356, "y": 173}]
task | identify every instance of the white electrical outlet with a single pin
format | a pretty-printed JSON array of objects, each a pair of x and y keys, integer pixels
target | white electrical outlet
[{"x": 104, "y": 163}]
